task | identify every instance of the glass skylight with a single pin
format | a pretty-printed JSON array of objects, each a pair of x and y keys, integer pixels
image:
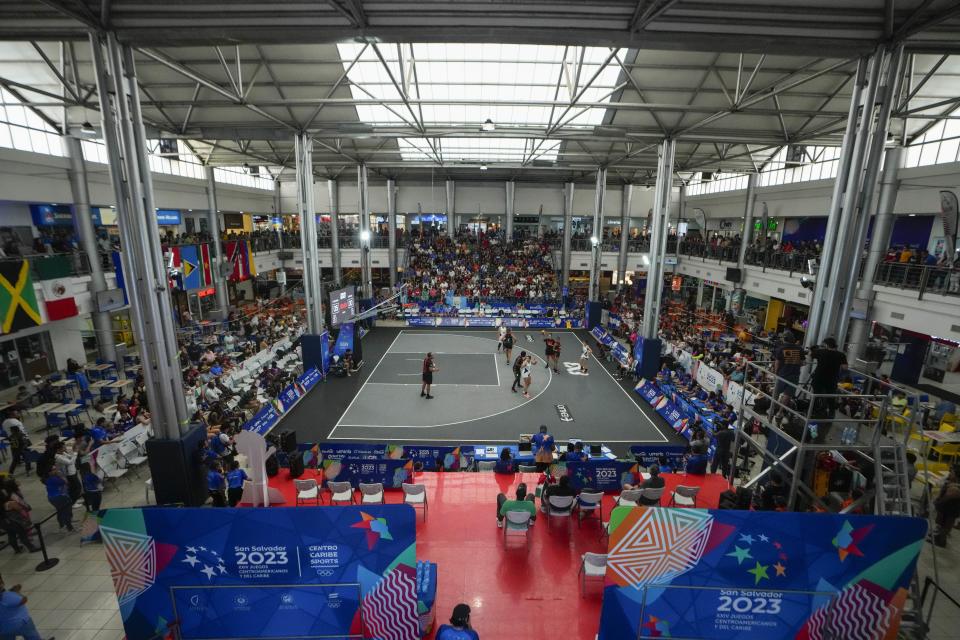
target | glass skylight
[
  {"x": 462, "y": 85},
  {"x": 476, "y": 150}
]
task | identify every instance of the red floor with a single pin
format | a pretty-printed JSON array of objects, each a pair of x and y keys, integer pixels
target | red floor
[{"x": 461, "y": 536}]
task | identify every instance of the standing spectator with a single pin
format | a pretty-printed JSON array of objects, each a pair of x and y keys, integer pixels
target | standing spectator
[
  {"x": 19, "y": 445},
  {"x": 826, "y": 377},
  {"x": 947, "y": 506},
  {"x": 787, "y": 362},
  {"x": 543, "y": 447},
  {"x": 67, "y": 464},
  {"x": 721, "y": 457},
  {"x": 235, "y": 478},
  {"x": 15, "y": 517},
  {"x": 58, "y": 496},
  {"x": 215, "y": 485},
  {"x": 15, "y": 620},
  {"x": 92, "y": 488}
]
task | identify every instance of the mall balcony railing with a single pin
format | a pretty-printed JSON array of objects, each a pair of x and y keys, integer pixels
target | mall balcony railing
[
  {"x": 56, "y": 265},
  {"x": 924, "y": 279}
]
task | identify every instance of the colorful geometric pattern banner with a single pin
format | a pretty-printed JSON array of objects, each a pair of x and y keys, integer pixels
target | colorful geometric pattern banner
[
  {"x": 697, "y": 573},
  {"x": 18, "y": 300},
  {"x": 265, "y": 573}
]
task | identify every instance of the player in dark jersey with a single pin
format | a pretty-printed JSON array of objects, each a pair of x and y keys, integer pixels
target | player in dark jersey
[{"x": 428, "y": 370}]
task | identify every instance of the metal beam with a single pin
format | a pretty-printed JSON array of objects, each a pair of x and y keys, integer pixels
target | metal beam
[
  {"x": 56, "y": 72},
  {"x": 333, "y": 89}
]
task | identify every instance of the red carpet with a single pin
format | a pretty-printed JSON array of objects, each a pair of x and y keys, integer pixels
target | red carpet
[{"x": 513, "y": 593}]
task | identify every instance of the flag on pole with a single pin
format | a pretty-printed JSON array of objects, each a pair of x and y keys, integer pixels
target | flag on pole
[
  {"x": 205, "y": 259},
  {"x": 58, "y": 299},
  {"x": 191, "y": 268},
  {"x": 18, "y": 301}
]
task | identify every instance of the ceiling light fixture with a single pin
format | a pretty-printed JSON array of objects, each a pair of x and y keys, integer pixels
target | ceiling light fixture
[
  {"x": 488, "y": 125},
  {"x": 87, "y": 128},
  {"x": 483, "y": 167}
]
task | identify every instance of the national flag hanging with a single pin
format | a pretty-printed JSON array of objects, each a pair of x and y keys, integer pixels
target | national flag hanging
[
  {"x": 18, "y": 301},
  {"x": 175, "y": 258},
  {"x": 251, "y": 266},
  {"x": 205, "y": 259},
  {"x": 191, "y": 268},
  {"x": 118, "y": 271},
  {"x": 237, "y": 255},
  {"x": 58, "y": 299}
]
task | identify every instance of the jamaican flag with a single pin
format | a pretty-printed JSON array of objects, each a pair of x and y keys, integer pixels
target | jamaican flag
[{"x": 18, "y": 302}]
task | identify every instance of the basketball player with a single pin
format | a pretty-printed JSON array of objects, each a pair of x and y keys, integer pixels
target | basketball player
[
  {"x": 517, "y": 366},
  {"x": 507, "y": 344},
  {"x": 501, "y": 332},
  {"x": 428, "y": 370},
  {"x": 584, "y": 358},
  {"x": 526, "y": 374}
]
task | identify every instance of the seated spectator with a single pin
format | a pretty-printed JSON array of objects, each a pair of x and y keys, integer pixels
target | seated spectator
[
  {"x": 774, "y": 492},
  {"x": 562, "y": 488},
  {"x": 523, "y": 502},
  {"x": 459, "y": 627},
  {"x": 576, "y": 454},
  {"x": 653, "y": 482}
]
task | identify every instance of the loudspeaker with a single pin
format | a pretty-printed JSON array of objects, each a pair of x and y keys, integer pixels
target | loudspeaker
[
  {"x": 288, "y": 441},
  {"x": 296, "y": 466},
  {"x": 179, "y": 475},
  {"x": 272, "y": 465},
  {"x": 734, "y": 275}
]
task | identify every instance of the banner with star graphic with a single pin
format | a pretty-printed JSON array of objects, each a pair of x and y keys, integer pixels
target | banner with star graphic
[
  {"x": 734, "y": 575},
  {"x": 343, "y": 572}
]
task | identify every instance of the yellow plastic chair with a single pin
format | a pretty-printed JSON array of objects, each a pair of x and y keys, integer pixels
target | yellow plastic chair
[{"x": 950, "y": 450}]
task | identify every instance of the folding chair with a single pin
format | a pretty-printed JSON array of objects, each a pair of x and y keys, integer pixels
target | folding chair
[
  {"x": 594, "y": 566},
  {"x": 371, "y": 493},
  {"x": 527, "y": 468},
  {"x": 415, "y": 494},
  {"x": 341, "y": 492},
  {"x": 629, "y": 498},
  {"x": 486, "y": 466},
  {"x": 559, "y": 507},
  {"x": 650, "y": 497},
  {"x": 684, "y": 496},
  {"x": 589, "y": 502},
  {"x": 516, "y": 522},
  {"x": 307, "y": 490}
]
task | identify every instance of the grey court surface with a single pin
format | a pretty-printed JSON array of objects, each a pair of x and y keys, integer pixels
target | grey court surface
[{"x": 472, "y": 398}]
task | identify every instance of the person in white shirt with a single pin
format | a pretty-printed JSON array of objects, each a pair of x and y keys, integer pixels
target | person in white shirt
[
  {"x": 13, "y": 422},
  {"x": 67, "y": 465},
  {"x": 211, "y": 393},
  {"x": 584, "y": 358},
  {"x": 501, "y": 332}
]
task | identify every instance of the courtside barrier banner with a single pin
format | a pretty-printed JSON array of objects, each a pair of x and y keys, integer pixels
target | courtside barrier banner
[
  {"x": 265, "y": 420},
  {"x": 344, "y": 341},
  {"x": 339, "y": 571},
  {"x": 604, "y": 475},
  {"x": 739, "y": 575},
  {"x": 289, "y": 396},
  {"x": 309, "y": 378},
  {"x": 484, "y": 321},
  {"x": 671, "y": 457},
  {"x": 431, "y": 458}
]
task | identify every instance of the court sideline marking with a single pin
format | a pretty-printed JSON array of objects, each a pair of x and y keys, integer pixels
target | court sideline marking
[
  {"x": 429, "y": 426},
  {"x": 619, "y": 386}
]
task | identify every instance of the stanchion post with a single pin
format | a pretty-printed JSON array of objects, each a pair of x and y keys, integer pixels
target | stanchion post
[{"x": 48, "y": 562}]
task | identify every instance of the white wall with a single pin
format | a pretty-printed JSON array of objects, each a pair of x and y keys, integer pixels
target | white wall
[
  {"x": 471, "y": 197},
  {"x": 36, "y": 178}
]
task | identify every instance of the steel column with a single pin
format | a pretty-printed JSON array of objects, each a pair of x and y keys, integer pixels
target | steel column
[
  {"x": 567, "y": 231},
  {"x": 451, "y": 192},
  {"x": 392, "y": 229},
  {"x": 333, "y": 196},
  {"x": 625, "y": 205},
  {"x": 79, "y": 187},
  {"x": 509, "y": 192},
  {"x": 596, "y": 248},
  {"x": 363, "y": 207},
  {"x": 886, "y": 96},
  {"x": 144, "y": 272},
  {"x": 880, "y": 239},
  {"x": 213, "y": 225},
  {"x": 748, "y": 218},
  {"x": 658, "y": 238},
  {"x": 827, "y": 255},
  {"x": 312, "y": 295}
]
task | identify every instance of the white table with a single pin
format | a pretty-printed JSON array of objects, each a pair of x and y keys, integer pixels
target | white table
[
  {"x": 41, "y": 409},
  {"x": 64, "y": 408},
  {"x": 99, "y": 367},
  {"x": 943, "y": 437}
]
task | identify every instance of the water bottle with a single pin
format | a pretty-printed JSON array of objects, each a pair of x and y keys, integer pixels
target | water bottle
[{"x": 845, "y": 435}]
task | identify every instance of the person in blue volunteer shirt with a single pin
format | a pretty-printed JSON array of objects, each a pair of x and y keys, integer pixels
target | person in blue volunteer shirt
[
  {"x": 543, "y": 447},
  {"x": 15, "y": 620},
  {"x": 459, "y": 627},
  {"x": 576, "y": 454},
  {"x": 215, "y": 485},
  {"x": 57, "y": 495},
  {"x": 92, "y": 488},
  {"x": 235, "y": 478}
]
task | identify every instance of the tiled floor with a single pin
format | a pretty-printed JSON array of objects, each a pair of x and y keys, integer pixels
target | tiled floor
[{"x": 75, "y": 600}]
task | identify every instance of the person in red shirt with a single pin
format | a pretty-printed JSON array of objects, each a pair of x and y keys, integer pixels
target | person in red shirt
[{"x": 428, "y": 369}]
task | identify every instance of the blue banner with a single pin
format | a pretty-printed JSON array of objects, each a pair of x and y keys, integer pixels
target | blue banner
[
  {"x": 168, "y": 216},
  {"x": 671, "y": 458},
  {"x": 308, "y": 378},
  {"x": 190, "y": 267},
  {"x": 488, "y": 321},
  {"x": 344, "y": 340},
  {"x": 325, "y": 354},
  {"x": 118, "y": 271},
  {"x": 273, "y": 573},
  {"x": 430, "y": 458},
  {"x": 598, "y": 473},
  {"x": 265, "y": 420},
  {"x": 739, "y": 575},
  {"x": 390, "y": 473},
  {"x": 649, "y": 392},
  {"x": 51, "y": 215},
  {"x": 288, "y": 397}
]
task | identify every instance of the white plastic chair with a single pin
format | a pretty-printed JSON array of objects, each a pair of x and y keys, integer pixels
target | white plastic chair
[
  {"x": 371, "y": 493},
  {"x": 486, "y": 466},
  {"x": 517, "y": 522},
  {"x": 629, "y": 498},
  {"x": 589, "y": 502},
  {"x": 415, "y": 494},
  {"x": 307, "y": 490},
  {"x": 341, "y": 492},
  {"x": 684, "y": 496},
  {"x": 594, "y": 566},
  {"x": 650, "y": 497},
  {"x": 560, "y": 506},
  {"x": 527, "y": 468}
]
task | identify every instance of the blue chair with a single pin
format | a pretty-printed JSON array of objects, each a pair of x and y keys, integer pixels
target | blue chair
[
  {"x": 56, "y": 421},
  {"x": 53, "y": 377}
]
